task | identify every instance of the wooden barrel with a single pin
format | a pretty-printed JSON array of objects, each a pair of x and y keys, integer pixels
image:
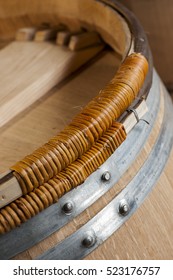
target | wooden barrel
[{"x": 123, "y": 209}]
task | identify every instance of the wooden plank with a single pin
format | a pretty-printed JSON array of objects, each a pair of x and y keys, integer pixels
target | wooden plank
[
  {"x": 9, "y": 189},
  {"x": 84, "y": 40},
  {"x": 26, "y": 34},
  {"x": 33, "y": 70},
  {"x": 63, "y": 37},
  {"x": 45, "y": 35}
]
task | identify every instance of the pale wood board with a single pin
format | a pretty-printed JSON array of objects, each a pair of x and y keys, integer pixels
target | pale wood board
[
  {"x": 63, "y": 38},
  {"x": 45, "y": 35},
  {"x": 25, "y": 34},
  {"x": 30, "y": 69},
  {"x": 85, "y": 39}
]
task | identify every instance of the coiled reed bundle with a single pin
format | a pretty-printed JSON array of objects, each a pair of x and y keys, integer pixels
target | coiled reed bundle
[
  {"x": 85, "y": 129},
  {"x": 45, "y": 195}
]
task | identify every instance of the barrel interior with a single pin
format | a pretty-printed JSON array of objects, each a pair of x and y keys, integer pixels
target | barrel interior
[{"x": 75, "y": 15}]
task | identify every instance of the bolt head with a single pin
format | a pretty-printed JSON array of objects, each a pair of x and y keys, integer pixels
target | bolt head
[
  {"x": 68, "y": 208},
  {"x": 106, "y": 176},
  {"x": 89, "y": 241},
  {"x": 124, "y": 207}
]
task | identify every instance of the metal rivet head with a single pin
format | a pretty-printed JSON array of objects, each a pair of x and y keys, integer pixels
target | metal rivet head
[
  {"x": 106, "y": 176},
  {"x": 89, "y": 241},
  {"x": 124, "y": 207},
  {"x": 68, "y": 208}
]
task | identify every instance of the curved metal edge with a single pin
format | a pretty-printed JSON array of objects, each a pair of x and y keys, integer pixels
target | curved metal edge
[
  {"x": 107, "y": 221},
  {"x": 53, "y": 218}
]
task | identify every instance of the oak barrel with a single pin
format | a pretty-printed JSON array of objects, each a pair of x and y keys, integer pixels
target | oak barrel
[{"x": 123, "y": 209}]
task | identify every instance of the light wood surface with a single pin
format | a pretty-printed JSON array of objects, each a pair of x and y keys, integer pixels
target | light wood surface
[
  {"x": 84, "y": 40},
  {"x": 34, "y": 69},
  {"x": 63, "y": 38},
  {"x": 25, "y": 34},
  {"x": 45, "y": 35}
]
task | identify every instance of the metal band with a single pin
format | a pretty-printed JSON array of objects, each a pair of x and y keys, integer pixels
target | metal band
[
  {"x": 95, "y": 232},
  {"x": 53, "y": 218}
]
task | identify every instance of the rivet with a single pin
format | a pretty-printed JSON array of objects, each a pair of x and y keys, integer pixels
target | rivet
[
  {"x": 89, "y": 241},
  {"x": 68, "y": 208},
  {"x": 124, "y": 207},
  {"x": 106, "y": 176}
]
